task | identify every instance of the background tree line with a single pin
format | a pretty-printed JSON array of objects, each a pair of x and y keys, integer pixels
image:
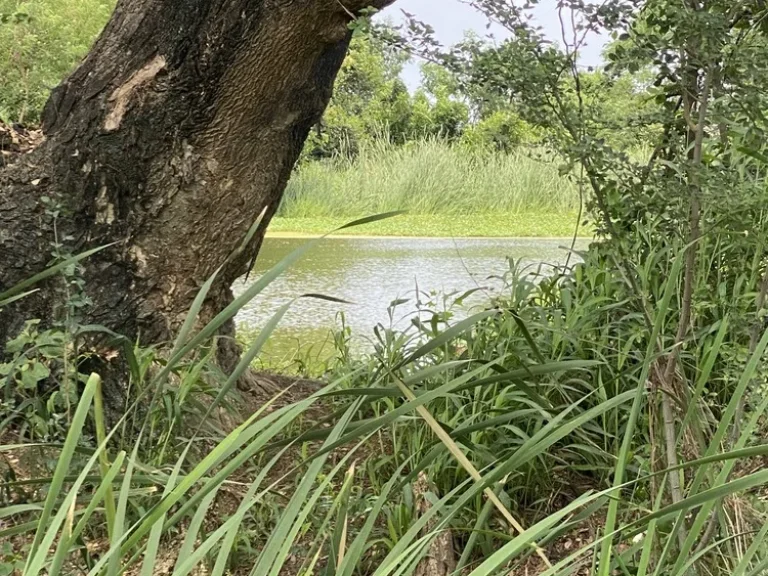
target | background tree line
[{"x": 40, "y": 42}]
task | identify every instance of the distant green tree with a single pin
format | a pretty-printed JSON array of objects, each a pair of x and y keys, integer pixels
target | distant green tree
[
  {"x": 502, "y": 130},
  {"x": 499, "y": 79},
  {"x": 465, "y": 108},
  {"x": 368, "y": 96},
  {"x": 371, "y": 101},
  {"x": 446, "y": 107}
]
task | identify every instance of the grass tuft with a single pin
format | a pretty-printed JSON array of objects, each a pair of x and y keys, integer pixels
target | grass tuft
[{"x": 430, "y": 177}]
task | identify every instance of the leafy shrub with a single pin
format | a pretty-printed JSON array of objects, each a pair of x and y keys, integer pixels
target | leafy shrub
[
  {"x": 38, "y": 382},
  {"x": 503, "y": 130}
]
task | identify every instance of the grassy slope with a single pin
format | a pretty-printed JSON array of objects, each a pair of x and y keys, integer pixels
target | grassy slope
[
  {"x": 538, "y": 225},
  {"x": 447, "y": 190}
]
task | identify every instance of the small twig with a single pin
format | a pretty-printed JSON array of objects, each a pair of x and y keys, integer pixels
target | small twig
[
  {"x": 709, "y": 531},
  {"x": 668, "y": 126},
  {"x": 694, "y": 232}
]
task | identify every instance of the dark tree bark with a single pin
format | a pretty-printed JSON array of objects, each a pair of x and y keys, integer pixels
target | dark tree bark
[{"x": 178, "y": 129}]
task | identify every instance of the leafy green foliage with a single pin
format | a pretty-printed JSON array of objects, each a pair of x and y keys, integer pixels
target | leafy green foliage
[
  {"x": 537, "y": 383},
  {"x": 371, "y": 101},
  {"x": 40, "y": 43},
  {"x": 11, "y": 561},
  {"x": 502, "y": 130},
  {"x": 30, "y": 359}
]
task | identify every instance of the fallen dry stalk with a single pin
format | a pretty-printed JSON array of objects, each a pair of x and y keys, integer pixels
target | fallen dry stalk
[{"x": 467, "y": 465}]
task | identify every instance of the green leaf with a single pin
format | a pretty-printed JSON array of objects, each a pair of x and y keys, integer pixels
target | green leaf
[
  {"x": 46, "y": 529},
  {"x": 22, "y": 286}
]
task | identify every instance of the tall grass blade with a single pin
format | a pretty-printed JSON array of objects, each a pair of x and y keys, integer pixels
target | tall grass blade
[
  {"x": 465, "y": 463},
  {"x": 480, "y": 523},
  {"x": 104, "y": 466},
  {"x": 271, "y": 557},
  {"x": 339, "y": 541},
  {"x": 48, "y": 272},
  {"x": 63, "y": 548},
  {"x": 191, "y": 319},
  {"x": 37, "y": 554},
  {"x": 248, "y": 237},
  {"x": 246, "y": 360},
  {"x": 726, "y": 418},
  {"x": 246, "y": 503},
  {"x": 118, "y": 529},
  {"x": 153, "y": 542},
  {"x": 21, "y": 296},
  {"x": 410, "y": 543},
  {"x": 703, "y": 377},
  {"x": 447, "y": 336},
  {"x": 190, "y": 538},
  {"x": 758, "y": 544},
  {"x": 347, "y": 564},
  {"x": 524, "y": 540}
]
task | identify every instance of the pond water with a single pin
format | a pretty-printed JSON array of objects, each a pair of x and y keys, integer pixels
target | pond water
[{"x": 370, "y": 273}]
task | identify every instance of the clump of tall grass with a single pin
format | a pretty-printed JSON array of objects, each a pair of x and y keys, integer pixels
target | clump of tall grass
[
  {"x": 429, "y": 176},
  {"x": 534, "y": 412}
]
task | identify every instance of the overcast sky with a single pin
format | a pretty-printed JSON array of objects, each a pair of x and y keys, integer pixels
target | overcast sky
[{"x": 451, "y": 18}]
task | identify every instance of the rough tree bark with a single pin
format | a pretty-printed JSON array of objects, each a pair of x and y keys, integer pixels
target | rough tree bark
[{"x": 179, "y": 127}]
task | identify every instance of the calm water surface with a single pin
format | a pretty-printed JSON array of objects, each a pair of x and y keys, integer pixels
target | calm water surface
[{"x": 372, "y": 272}]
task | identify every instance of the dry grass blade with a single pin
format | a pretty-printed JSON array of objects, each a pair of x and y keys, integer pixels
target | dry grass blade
[{"x": 457, "y": 453}]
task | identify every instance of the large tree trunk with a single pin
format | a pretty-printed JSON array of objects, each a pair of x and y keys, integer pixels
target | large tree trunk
[{"x": 178, "y": 129}]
